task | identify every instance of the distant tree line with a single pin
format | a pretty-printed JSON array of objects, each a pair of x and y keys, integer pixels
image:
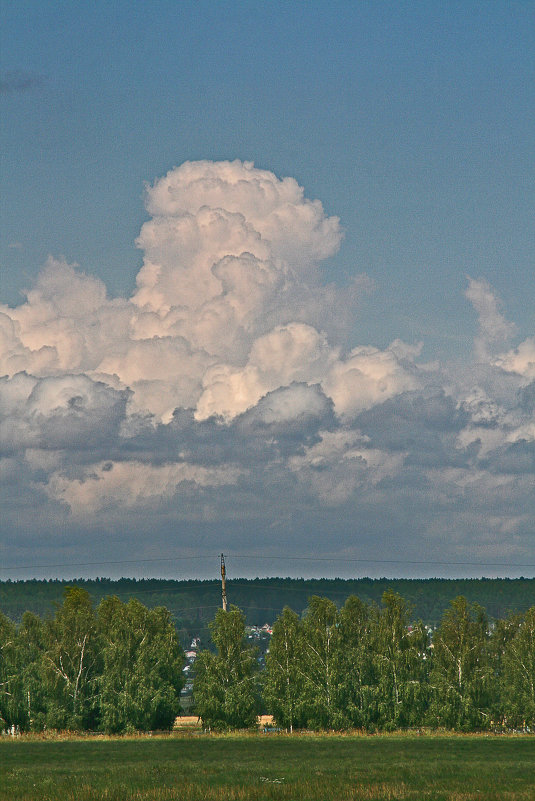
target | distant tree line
[
  {"x": 193, "y": 602},
  {"x": 365, "y": 665}
]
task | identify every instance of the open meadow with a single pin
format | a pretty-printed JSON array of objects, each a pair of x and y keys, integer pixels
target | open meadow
[{"x": 305, "y": 767}]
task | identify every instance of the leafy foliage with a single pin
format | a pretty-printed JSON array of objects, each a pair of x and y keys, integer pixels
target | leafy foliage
[
  {"x": 360, "y": 666},
  {"x": 70, "y": 663},
  {"x": 461, "y": 675},
  {"x": 9, "y": 712},
  {"x": 400, "y": 654},
  {"x": 119, "y": 668},
  {"x": 225, "y": 687},
  {"x": 284, "y": 676},
  {"x": 357, "y": 693},
  {"x": 142, "y": 667},
  {"x": 518, "y": 677}
]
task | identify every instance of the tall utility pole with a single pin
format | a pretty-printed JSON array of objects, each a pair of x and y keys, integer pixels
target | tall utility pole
[{"x": 223, "y": 583}]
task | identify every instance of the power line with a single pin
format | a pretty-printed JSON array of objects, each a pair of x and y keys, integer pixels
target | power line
[
  {"x": 106, "y": 562},
  {"x": 377, "y": 561},
  {"x": 279, "y": 558}
]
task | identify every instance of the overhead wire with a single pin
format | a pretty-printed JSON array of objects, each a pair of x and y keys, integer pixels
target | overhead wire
[{"x": 274, "y": 558}]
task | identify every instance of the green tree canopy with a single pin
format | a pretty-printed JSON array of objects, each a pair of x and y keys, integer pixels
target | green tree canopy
[
  {"x": 142, "y": 663},
  {"x": 320, "y": 643},
  {"x": 70, "y": 663},
  {"x": 518, "y": 678},
  {"x": 225, "y": 686},
  {"x": 9, "y": 691},
  {"x": 400, "y": 655},
  {"x": 357, "y": 697},
  {"x": 461, "y": 676},
  {"x": 284, "y": 679}
]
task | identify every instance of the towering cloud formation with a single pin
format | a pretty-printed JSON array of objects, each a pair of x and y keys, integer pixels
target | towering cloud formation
[
  {"x": 224, "y": 386},
  {"x": 229, "y": 304}
]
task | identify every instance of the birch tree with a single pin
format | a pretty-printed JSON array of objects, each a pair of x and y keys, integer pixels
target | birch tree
[
  {"x": 9, "y": 695},
  {"x": 284, "y": 677},
  {"x": 400, "y": 656},
  {"x": 320, "y": 642},
  {"x": 518, "y": 678},
  {"x": 225, "y": 687},
  {"x": 357, "y": 692},
  {"x": 31, "y": 649},
  {"x": 461, "y": 677},
  {"x": 71, "y": 663},
  {"x": 141, "y": 675}
]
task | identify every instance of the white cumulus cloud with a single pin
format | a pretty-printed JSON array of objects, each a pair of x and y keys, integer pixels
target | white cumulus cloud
[{"x": 226, "y": 387}]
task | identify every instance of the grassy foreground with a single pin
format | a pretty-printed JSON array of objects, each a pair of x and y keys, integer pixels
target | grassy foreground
[{"x": 250, "y": 767}]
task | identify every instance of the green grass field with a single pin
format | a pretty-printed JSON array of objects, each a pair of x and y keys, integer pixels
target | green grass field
[{"x": 198, "y": 767}]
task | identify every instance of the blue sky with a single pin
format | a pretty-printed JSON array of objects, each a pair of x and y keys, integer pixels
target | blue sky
[{"x": 412, "y": 122}]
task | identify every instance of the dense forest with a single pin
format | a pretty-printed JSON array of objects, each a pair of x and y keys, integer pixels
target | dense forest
[
  {"x": 192, "y": 604},
  {"x": 119, "y": 667}
]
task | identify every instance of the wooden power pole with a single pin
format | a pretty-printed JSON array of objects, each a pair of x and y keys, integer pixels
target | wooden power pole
[{"x": 223, "y": 583}]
